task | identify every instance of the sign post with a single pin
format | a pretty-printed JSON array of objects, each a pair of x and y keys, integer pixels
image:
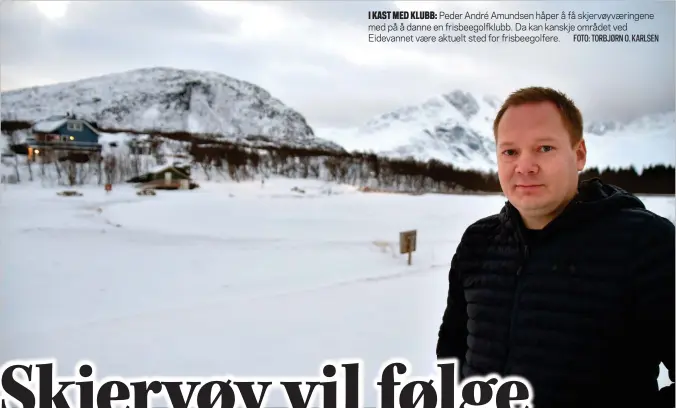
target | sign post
[{"x": 407, "y": 243}]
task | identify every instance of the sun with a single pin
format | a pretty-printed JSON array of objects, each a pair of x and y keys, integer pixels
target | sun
[{"x": 52, "y": 9}]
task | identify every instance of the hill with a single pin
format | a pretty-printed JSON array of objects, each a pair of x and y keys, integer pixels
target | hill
[
  {"x": 457, "y": 128},
  {"x": 169, "y": 100},
  {"x": 227, "y": 129}
]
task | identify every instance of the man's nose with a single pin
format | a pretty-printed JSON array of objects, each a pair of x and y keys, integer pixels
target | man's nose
[{"x": 527, "y": 164}]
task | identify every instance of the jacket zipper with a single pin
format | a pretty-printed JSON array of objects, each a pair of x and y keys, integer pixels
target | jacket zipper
[{"x": 515, "y": 310}]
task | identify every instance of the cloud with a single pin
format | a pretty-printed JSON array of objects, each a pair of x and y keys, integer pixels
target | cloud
[
  {"x": 98, "y": 37},
  {"x": 316, "y": 57}
]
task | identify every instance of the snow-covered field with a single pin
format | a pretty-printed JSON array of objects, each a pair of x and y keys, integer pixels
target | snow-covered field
[{"x": 230, "y": 279}]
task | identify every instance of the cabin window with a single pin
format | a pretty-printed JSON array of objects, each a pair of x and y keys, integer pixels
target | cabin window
[{"x": 75, "y": 126}]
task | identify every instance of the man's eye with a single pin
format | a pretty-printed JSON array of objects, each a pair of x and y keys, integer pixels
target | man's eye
[
  {"x": 547, "y": 148},
  {"x": 509, "y": 152}
]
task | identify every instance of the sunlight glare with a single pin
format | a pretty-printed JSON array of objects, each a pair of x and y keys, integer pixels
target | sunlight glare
[{"x": 52, "y": 9}]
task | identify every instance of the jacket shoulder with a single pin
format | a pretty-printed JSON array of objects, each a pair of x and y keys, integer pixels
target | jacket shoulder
[
  {"x": 634, "y": 236},
  {"x": 480, "y": 233},
  {"x": 645, "y": 222},
  {"x": 483, "y": 226}
]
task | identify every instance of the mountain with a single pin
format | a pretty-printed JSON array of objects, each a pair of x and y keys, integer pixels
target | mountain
[
  {"x": 168, "y": 100},
  {"x": 453, "y": 127},
  {"x": 457, "y": 128}
]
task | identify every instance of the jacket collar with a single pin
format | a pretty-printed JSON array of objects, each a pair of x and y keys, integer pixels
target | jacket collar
[{"x": 593, "y": 199}]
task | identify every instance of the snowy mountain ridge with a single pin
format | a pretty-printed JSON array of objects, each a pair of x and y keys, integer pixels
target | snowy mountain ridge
[
  {"x": 457, "y": 128},
  {"x": 168, "y": 100},
  {"x": 453, "y": 127}
]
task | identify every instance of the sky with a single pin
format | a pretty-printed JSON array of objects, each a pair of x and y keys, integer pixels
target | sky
[{"x": 316, "y": 57}]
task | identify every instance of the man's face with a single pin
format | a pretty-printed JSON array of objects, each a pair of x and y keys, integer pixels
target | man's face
[{"x": 537, "y": 165}]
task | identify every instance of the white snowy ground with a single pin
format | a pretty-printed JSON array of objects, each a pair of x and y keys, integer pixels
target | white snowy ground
[{"x": 229, "y": 279}]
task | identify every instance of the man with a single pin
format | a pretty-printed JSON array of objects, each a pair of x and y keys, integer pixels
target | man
[{"x": 571, "y": 286}]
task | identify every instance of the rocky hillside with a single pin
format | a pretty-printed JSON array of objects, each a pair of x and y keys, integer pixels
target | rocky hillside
[
  {"x": 456, "y": 128},
  {"x": 169, "y": 100}
]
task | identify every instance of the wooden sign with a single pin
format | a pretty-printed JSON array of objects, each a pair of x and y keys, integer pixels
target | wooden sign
[
  {"x": 109, "y": 187},
  {"x": 407, "y": 243}
]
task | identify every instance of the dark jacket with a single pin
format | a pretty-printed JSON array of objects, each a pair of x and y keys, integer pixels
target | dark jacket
[{"x": 583, "y": 309}]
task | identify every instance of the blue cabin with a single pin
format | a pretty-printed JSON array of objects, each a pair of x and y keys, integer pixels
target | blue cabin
[{"x": 63, "y": 133}]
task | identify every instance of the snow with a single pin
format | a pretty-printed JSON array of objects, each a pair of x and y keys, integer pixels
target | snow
[
  {"x": 414, "y": 131},
  {"x": 243, "y": 279},
  {"x": 48, "y": 125},
  {"x": 4, "y": 144},
  {"x": 404, "y": 131},
  {"x": 168, "y": 100},
  {"x": 453, "y": 127},
  {"x": 161, "y": 167},
  {"x": 5, "y": 170},
  {"x": 119, "y": 138}
]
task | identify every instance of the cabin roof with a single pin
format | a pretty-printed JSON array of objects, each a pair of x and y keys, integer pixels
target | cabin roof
[
  {"x": 176, "y": 166},
  {"x": 52, "y": 123},
  {"x": 167, "y": 166},
  {"x": 49, "y": 125}
]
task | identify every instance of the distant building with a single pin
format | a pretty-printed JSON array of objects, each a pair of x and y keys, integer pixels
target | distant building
[
  {"x": 171, "y": 176},
  {"x": 64, "y": 135}
]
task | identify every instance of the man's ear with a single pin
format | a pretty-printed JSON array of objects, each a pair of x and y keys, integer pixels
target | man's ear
[{"x": 581, "y": 154}]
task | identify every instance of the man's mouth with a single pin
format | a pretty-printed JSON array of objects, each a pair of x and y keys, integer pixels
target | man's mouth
[{"x": 528, "y": 186}]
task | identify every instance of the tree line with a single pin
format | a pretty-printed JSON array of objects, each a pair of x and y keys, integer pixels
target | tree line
[{"x": 240, "y": 162}]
